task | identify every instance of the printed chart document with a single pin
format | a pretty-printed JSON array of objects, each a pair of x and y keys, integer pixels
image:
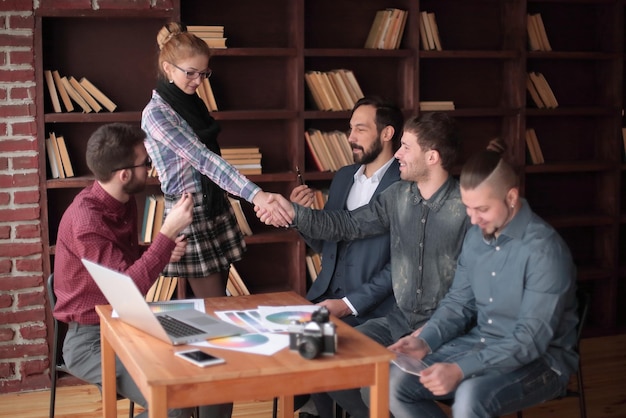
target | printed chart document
[
  {"x": 267, "y": 326},
  {"x": 409, "y": 364}
]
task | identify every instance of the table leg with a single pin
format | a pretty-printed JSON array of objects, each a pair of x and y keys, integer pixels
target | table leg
[
  {"x": 109, "y": 391},
  {"x": 157, "y": 402},
  {"x": 285, "y": 407},
  {"x": 379, "y": 392}
]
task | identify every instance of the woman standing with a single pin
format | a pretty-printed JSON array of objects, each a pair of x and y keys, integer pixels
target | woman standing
[{"x": 182, "y": 142}]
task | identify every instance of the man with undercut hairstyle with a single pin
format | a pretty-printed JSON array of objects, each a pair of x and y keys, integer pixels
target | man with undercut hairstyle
[{"x": 503, "y": 337}]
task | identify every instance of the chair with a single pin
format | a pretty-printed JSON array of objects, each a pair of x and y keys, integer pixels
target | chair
[
  {"x": 60, "y": 329},
  {"x": 584, "y": 300}
]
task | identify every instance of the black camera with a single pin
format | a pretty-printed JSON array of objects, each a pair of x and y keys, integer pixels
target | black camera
[{"x": 318, "y": 336}]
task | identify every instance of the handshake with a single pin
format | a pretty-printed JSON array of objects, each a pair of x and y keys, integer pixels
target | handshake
[{"x": 274, "y": 209}]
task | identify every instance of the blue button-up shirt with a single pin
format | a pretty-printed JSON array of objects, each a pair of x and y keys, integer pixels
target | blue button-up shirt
[{"x": 520, "y": 289}]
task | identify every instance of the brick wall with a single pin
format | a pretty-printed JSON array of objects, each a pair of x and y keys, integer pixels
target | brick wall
[{"x": 23, "y": 343}]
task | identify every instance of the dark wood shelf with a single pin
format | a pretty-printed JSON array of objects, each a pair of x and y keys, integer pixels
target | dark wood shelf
[{"x": 259, "y": 86}]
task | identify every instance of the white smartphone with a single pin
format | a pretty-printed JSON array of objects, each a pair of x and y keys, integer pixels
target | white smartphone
[{"x": 199, "y": 357}]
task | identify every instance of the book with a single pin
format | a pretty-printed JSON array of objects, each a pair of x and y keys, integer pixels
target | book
[
  {"x": 341, "y": 89},
  {"x": 206, "y": 93},
  {"x": 57, "y": 154},
  {"x": 74, "y": 95},
  {"x": 148, "y": 219},
  {"x": 543, "y": 36},
  {"x": 85, "y": 95},
  {"x": 423, "y": 36},
  {"x": 242, "y": 221},
  {"x": 534, "y": 41},
  {"x": 405, "y": 15},
  {"x": 434, "y": 105},
  {"x": 313, "y": 82},
  {"x": 534, "y": 94},
  {"x": 62, "y": 92},
  {"x": 534, "y": 150},
  {"x": 205, "y": 28},
  {"x": 217, "y": 43},
  {"x": 374, "y": 29},
  {"x": 428, "y": 30},
  {"x": 353, "y": 84},
  {"x": 52, "y": 158},
  {"x": 52, "y": 90},
  {"x": 332, "y": 93},
  {"x": 65, "y": 157},
  {"x": 543, "y": 89},
  {"x": 313, "y": 152},
  {"x": 158, "y": 215},
  {"x": 379, "y": 41},
  {"x": 435, "y": 30},
  {"x": 98, "y": 95},
  {"x": 310, "y": 266},
  {"x": 226, "y": 151},
  {"x": 235, "y": 284}
]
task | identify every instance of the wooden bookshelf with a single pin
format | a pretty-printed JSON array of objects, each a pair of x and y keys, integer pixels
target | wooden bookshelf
[{"x": 259, "y": 84}]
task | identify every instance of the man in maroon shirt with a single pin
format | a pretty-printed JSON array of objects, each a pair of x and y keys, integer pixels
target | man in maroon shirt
[{"x": 101, "y": 225}]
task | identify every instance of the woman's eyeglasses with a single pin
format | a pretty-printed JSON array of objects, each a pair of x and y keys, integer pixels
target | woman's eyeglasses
[
  {"x": 192, "y": 75},
  {"x": 147, "y": 163}
]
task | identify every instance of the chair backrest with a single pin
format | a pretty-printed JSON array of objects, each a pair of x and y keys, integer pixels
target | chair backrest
[
  {"x": 584, "y": 300},
  {"x": 60, "y": 328}
]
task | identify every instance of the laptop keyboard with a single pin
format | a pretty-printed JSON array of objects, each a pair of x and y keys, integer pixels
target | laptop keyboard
[{"x": 176, "y": 328}]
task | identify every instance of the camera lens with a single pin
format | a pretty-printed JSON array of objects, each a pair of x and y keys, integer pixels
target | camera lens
[{"x": 310, "y": 347}]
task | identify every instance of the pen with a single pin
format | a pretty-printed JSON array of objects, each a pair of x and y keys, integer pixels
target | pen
[{"x": 300, "y": 178}]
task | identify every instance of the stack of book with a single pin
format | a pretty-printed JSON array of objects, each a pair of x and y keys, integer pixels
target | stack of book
[
  {"x": 534, "y": 150},
  {"x": 58, "y": 157},
  {"x": 205, "y": 91},
  {"x": 433, "y": 106},
  {"x": 162, "y": 289},
  {"x": 69, "y": 91},
  {"x": 540, "y": 91},
  {"x": 429, "y": 32},
  {"x": 537, "y": 36},
  {"x": 242, "y": 221},
  {"x": 245, "y": 159},
  {"x": 329, "y": 150},
  {"x": 212, "y": 35},
  {"x": 152, "y": 218},
  {"x": 387, "y": 29},
  {"x": 333, "y": 90}
]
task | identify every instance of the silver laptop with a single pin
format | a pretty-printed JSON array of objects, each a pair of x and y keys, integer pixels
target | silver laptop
[{"x": 176, "y": 326}]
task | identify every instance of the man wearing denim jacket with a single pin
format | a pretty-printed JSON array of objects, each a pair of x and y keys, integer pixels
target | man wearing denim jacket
[{"x": 426, "y": 220}]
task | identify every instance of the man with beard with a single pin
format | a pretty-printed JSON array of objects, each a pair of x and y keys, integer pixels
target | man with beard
[
  {"x": 355, "y": 280},
  {"x": 101, "y": 225},
  {"x": 426, "y": 221},
  {"x": 502, "y": 339}
]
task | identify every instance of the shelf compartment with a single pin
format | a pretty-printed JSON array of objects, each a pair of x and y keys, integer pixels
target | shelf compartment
[
  {"x": 325, "y": 22},
  {"x": 572, "y": 194},
  {"x": 578, "y": 25},
  {"x": 475, "y": 25},
  {"x": 578, "y": 83},
  {"x": 247, "y": 23},
  {"x": 576, "y": 139},
  {"x": 127, "y": 82},
  {"x": 468, "y": 83},
  {"x": 390, "y": 78},
  {"x": 245, "y": 83}
]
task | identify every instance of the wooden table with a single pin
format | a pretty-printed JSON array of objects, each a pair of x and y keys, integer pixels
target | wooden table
[{"x": 169, "y": 382}]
